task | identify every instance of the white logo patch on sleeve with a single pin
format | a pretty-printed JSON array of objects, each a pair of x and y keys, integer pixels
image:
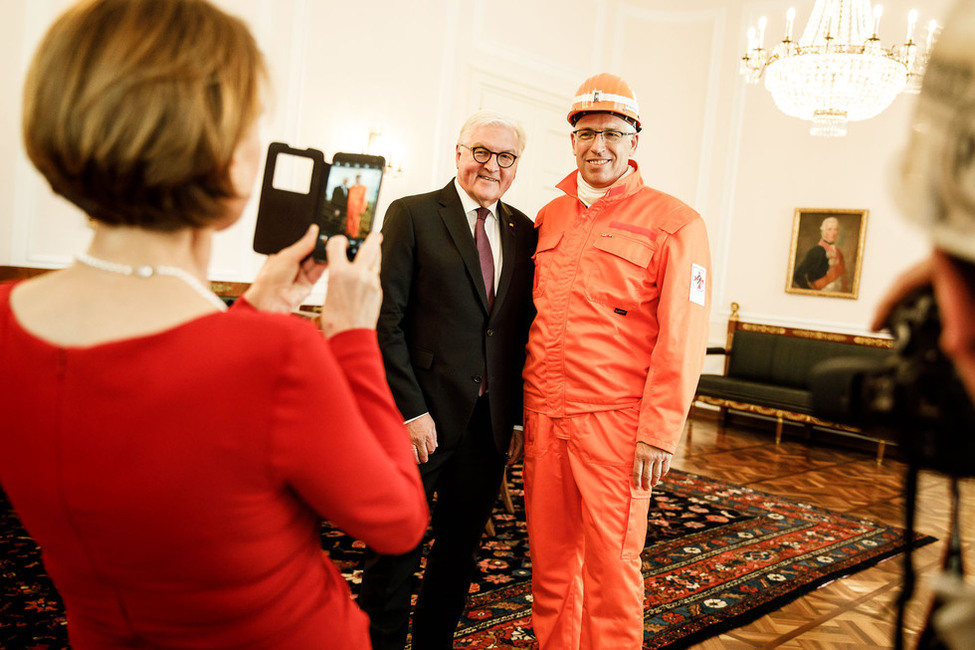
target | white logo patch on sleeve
[{"x": 699, "y": 276}]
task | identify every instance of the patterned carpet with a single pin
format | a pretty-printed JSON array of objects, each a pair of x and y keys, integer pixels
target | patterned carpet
[{"x": 717, "y": 556}]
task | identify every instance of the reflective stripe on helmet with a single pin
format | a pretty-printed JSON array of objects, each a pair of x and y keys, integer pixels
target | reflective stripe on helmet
[{"x": 596, "y": 96}]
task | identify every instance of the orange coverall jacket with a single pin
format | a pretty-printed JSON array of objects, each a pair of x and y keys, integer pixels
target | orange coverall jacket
[{"x": 623, "y": 297}]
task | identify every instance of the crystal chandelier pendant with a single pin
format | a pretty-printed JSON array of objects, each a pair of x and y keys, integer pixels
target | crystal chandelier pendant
[{"x": 838, "y": 72}]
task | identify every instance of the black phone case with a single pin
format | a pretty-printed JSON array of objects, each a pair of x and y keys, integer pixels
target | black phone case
[
  {"x": 284, "y": 216},
  {"x": 365, "y": 160}
]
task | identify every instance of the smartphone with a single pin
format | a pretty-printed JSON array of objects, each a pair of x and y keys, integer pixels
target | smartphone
[
  {"x": 292, "y": 199},
  {"x": 353, "y": 193},
  {"x": 299, "y": 189}
]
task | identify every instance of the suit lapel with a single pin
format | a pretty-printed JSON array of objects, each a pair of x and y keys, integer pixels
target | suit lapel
[
  {"x": 508, "y": 248},
  {"x": 455, "y": 220}
]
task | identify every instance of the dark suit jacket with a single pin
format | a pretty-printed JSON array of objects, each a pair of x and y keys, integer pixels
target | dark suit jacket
[
  {"x": 434, "y": 329},
  {"x": 814, "y": 266},
  {"x": 340, "y": 198}
]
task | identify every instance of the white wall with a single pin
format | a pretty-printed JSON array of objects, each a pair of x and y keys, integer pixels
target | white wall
[
  {"x": 779, "y": 167},
  {"x": 415, "y": 70}
]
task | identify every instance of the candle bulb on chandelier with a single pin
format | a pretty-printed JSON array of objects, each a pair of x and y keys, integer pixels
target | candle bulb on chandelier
[
  {"x": 932, "y": 29},
  {"x": 762, "y": 22},
  {"x": 877, "y": 13},
  {"x": 751, "y": 39},
  {"x": 790, "y": 17},
  {"x": 911, "y": 22}
]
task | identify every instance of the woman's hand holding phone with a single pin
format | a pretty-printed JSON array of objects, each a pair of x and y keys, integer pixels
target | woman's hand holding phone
[
  {"x": 287, "y": 277},
  {"x": 354, "y": 294}
]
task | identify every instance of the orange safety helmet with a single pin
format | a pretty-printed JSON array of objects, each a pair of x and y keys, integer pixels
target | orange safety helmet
[{"x": 605, "y": 93}]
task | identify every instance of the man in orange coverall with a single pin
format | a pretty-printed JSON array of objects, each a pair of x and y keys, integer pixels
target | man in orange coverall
[
  {"x": 622, "y": 290},
  {"x": 355, "y": 207}
]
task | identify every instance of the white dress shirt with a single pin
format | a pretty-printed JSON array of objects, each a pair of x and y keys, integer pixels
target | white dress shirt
[{"x": 491, "y": 227}]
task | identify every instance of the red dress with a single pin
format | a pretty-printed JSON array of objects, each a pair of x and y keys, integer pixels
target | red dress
[{"x": 176, "y": 481}]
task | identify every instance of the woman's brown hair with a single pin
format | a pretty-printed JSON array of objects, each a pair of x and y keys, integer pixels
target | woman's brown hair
[{"x": 133, "y": 109}]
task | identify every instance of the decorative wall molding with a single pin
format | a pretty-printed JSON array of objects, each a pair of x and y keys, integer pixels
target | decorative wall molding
[
  {"x": 716, "y": 21},
  {"x": 554, "y": 70},
  {"x": 540, "y": 112},
  {"x": 720, "y": 315}
]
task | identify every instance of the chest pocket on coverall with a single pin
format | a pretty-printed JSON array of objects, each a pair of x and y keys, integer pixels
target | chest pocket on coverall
[
  {"x": 543, "y": 267},
  {"x": 619, "y": 275}
]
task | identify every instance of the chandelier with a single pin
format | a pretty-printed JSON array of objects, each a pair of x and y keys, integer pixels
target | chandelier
[{"x": 838, "y": 72}]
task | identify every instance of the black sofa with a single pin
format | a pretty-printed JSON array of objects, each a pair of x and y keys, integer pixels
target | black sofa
[{"x": 767, "y": 370}]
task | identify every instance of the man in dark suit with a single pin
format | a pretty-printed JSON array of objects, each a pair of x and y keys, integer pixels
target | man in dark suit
[
  {"x": 456, "y": 309},
  {"x": 334, "y": 220},
  {"x": 340, "y": 196}
]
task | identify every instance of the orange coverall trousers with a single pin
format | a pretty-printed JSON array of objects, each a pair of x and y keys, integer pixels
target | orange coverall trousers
[{"x": 583, "y": 510}]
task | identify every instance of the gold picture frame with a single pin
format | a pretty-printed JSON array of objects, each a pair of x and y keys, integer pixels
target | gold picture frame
[{"x": 818, "y": 267}]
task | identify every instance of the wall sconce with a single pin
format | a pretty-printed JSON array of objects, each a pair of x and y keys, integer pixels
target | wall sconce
[{"x": 374, "y": 148}]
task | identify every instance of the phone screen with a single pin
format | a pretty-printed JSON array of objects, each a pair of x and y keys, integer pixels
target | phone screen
[{"x": 351, "y": 194}]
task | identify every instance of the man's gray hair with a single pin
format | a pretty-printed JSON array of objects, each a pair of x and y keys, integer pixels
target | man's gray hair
[{"x": 492, "y": 118}]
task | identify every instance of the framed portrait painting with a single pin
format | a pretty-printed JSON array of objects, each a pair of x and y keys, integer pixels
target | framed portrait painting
[{"x": 827, "y": 252}]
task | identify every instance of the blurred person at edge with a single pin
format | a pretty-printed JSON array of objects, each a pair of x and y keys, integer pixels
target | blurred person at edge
[
  {"x": 935, "y": 187},
  {"x": 622, "y": 291},
  {"x": 172, "y": 458}
]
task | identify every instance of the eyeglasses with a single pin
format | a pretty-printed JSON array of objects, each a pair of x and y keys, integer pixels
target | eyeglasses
[
  {"x": 609, "y": 137},
  {"x": 483, "y": 155}
]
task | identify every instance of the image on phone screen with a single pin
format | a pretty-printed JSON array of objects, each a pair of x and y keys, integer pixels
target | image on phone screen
[{"x": 352, "y": 192}]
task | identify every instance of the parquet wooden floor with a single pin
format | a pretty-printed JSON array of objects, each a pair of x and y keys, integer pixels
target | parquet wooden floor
[{"x": 854, "y": 612}]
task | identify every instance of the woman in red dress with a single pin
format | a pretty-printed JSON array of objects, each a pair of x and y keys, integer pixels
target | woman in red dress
[{"x": 172, "y": 458}]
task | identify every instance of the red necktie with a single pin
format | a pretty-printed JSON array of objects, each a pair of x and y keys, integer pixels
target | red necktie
[
  {"x": 484, "y": 252},
  {"x": 487, "y": 270}
]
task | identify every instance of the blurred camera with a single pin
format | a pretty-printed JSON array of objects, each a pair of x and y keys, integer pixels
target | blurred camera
[{"x": 914, "y": 396}]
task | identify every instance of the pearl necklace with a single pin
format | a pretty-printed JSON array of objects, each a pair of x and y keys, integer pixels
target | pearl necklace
[{"x": 145, "y": 271}]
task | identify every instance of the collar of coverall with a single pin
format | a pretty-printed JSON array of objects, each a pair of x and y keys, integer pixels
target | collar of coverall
[{"x": 628, "y": 184}]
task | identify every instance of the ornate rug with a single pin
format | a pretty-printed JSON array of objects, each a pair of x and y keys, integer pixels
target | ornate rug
[{"x": 717, "y": 557}]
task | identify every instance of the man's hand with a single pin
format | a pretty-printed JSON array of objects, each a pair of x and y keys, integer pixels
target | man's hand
[
  {"x": 649, "y": 466},
  {"x": 287, "y": 277},
  {"x": 517, "y": 447},
  {"x": 423, "y": 434}
]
